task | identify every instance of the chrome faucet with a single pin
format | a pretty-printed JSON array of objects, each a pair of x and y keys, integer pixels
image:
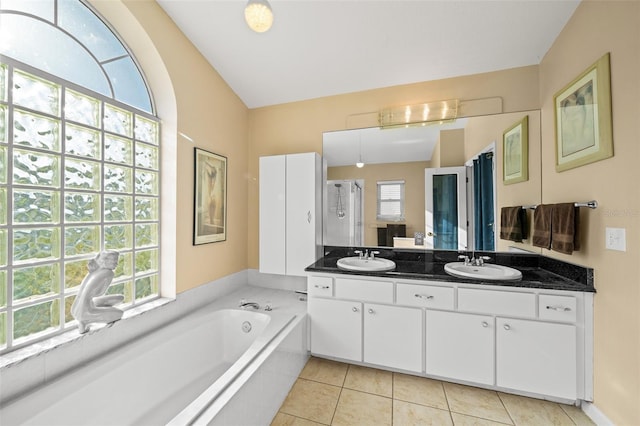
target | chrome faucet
[
  {"x": 479, "y": 261},
  {"x": 253, "y": 305}
]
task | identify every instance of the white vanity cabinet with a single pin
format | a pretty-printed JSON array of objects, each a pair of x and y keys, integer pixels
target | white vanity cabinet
[
  {"x": 393, "y": 336},
  {"x": 537, "y": 357},
  {"x": 290, "y": 213},
  {"x": 528, "y": 340},
  {"x": 460, "y": 346}
]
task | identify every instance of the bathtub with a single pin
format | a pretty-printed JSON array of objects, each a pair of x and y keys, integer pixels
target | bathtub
[{"x": 194, "y": 371}]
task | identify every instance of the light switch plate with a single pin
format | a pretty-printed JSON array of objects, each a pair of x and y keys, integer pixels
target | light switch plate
[{"x": 615, "y": 239}]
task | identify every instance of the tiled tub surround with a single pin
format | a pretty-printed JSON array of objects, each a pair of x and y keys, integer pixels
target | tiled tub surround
[
  {"x": 274, "y": 368},
  {"x": 532, "y": 337},
  {"x": 537, "y": 271}
]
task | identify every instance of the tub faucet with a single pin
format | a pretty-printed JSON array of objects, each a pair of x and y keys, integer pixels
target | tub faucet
[{"x": 245, "y": 305}]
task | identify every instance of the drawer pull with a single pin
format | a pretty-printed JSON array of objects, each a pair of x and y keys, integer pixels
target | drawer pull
[
  {"x": 423, "y": 296},
  {"x": 485, "y": 324},
  {"x": 354, "y": 309},
  {"x": 371, "y": 311},
  {"x": 323, "y": 287},
  {"x": 559, "y": 308},
  {"x": 507, "y": 327}
]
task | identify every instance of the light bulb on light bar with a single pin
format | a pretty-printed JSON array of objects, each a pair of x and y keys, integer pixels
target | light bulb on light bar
[
  {"x": 258, "y": 15},
  {"x": 418, "y": 114}
]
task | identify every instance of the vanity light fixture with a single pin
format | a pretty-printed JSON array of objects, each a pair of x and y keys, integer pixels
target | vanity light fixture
[
  {"x": 258, "y": 15},
  {"x": 421, "y": 114}
]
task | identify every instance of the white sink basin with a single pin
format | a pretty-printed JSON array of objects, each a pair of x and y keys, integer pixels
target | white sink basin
[
  {"x": 488, "y": 271},
  {"x": 356, "y": 263}
]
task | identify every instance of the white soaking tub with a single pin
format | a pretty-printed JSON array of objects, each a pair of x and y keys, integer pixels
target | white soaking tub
[{"x": 188, "y": 372}]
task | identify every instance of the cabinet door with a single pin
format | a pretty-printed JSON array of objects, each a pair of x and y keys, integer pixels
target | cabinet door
[
  {"x": 336, "y": 328},
  {"x": 272, "y": 214},
  {"x": 393, "y": 336},
  {"x": 460, "y": 346},
  {"x": 303, "y": 237},
  {"x": 537, "y": 357}
]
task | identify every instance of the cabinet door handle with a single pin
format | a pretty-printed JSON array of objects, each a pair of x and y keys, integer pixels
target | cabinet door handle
[
  {"x": 371, "y": 311},
  {"x": 323, "y": 287},
  {"x": 354, "y": 309},
  {"x": 507, "y": 327},
  {"x": 423, "y": 296},
  {"x": 485, "y": 324},
  {"x": 309, "y": 216},
  {"x": 559, "y": 308}
]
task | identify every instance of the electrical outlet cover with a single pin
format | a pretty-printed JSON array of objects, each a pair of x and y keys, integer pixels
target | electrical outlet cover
[{"x": 615, "y": 239}]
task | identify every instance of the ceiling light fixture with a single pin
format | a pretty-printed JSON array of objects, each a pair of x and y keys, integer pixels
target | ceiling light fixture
[
  {"x": 418, "y": 114},
  {"x": 360, "y": 164},
  {"x": 258, "y": 15}
]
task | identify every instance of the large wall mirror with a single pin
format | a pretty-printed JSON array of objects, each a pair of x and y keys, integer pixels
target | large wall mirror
[{"x": 411, "y": 183}]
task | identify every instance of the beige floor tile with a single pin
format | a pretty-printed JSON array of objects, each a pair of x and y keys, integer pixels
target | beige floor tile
[
  {"x": 419, "y": 390},
  {"x": 476, "y": 402},
  {"x": 464, "y": 420},
  {"x": 369, "y": 380},
  {"x": 408, "y": 414},
  {"x": 577, "y": 415},
  {"x": 324, "y": 371},
  {"x": 533, "y": 412},
  {"x": 359, "y": 408},
  {"x": 311, "y": 401},
  {"x": 282, "y": 419}
]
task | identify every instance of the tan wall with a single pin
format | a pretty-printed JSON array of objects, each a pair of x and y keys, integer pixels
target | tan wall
[
  {"x": 298, "y": 127},
  {"x": 211, "y": 114},
  {"x": 451, "y": 148},
  {"x": 413, "y": 175},
  {"x": 598, "y": 27}
]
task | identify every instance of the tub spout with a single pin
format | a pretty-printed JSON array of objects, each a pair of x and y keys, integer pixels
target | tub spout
[{"x": 253, "y": 305}]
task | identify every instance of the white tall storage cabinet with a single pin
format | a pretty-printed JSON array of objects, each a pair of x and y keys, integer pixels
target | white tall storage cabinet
[{"x": 290, "y": 213}]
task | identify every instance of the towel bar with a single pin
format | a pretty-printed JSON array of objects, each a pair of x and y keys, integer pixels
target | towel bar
[{"x": 593, "y": 204}]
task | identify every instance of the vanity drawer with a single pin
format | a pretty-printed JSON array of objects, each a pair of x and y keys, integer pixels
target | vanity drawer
[
  {"x": 557, "y": 308},
  {"x": 424, "y": 296},
  {"x": 320, "y": 286},
  {"x": 364, "y": 290},
  {"x": 497, "y": 302}
]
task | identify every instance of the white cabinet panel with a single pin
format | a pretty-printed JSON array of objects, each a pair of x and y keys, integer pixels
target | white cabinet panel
[
  {"x": 460, "y": 346},
  {"x": 365, "y": 290},
  {"x": 393, "y": 336},
  {"x": 272, "y": 214},
  {"x": 427, "y": 296},
  {"x": 537, "y": 357},
  {"x": 336, "y": 328},
  {"x": 497, "y": 302},
  {"x": 290, "y": 213}
]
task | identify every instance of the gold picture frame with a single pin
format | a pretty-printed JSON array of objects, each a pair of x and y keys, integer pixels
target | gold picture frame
[
  {"x": 515, "y": 152},
  {"x": 583, "y": 118},
  {"x": 210, "y": 197}
]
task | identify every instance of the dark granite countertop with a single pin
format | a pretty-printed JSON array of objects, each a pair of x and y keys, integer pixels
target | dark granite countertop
[{"x": 537, "y": 271}]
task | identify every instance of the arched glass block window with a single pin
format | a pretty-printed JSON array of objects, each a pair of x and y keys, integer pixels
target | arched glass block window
[
  {"x": 67, "y": 39},
  {"x": 79, "y": 166}
]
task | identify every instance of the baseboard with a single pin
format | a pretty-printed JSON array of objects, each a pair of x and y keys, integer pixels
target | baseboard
[{"x": 595, "y": 414}]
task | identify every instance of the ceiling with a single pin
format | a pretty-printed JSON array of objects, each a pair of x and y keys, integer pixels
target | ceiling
[{"x": 320, "y": 48}]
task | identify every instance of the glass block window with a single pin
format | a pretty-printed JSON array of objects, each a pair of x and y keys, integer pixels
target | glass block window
[
  {"x": 79, "y": 173},
  {"x": 390, "y": 201}
]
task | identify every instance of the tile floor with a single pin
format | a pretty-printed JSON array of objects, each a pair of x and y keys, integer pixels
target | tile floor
[{"x": 333, "y": 393}]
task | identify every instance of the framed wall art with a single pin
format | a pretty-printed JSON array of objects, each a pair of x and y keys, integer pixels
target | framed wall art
[
  {"x": 515, "y": 152},
  {"x": 210, "y": 198},
  {"x": 583, "y": 118}
]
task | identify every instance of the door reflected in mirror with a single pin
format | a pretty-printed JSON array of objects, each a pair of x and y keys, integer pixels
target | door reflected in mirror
[{"x": 406, "y": 154}]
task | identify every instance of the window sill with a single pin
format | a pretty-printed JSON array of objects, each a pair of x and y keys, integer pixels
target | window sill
[{"x": 73, "y": 335}]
